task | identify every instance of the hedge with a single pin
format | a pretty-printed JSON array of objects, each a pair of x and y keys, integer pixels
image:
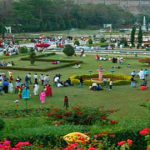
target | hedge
[
  {"x": 52, "y": 135},
  {"x": 41, "y": 70},
  {"x": 38, "y": 58},
  {"x": 120, "y": 79}
]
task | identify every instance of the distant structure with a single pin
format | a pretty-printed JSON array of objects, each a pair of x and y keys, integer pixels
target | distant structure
[{"x": 144, "y": 27}]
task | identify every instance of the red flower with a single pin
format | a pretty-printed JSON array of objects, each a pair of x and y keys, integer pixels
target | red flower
[
  {"x": 121, "y": 143},
  {"x": 22, "y": 144},
  {"x": 130, "y": 142},
  {"x": 145, "y": 132},
  {"x": 71, "y": 146},
  {"x": 103, "y": 118},
  {"x": 68, "y": 114},
  {"x": 79, "y": 113},
  {"x": 112, "y": 135},
  {"x": 113, "y": 122},
  {"x": 6, "y": 143},
  {"x": 59, "y": 116},
  {"x": 92, "y": 148},
  {"x": 49, "y": 114}
]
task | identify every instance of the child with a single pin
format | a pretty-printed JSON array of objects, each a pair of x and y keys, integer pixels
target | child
[
  {"x": 110, "y": 84},
  {"x": 42, "y": 97},
  {"x": 66, "y": 102}
]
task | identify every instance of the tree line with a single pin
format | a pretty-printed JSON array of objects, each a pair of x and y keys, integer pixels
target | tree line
[{"x": 46, "y": 15}]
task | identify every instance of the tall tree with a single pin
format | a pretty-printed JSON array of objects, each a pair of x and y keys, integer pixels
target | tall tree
[
  {"x": 140, "y": 37},
  {"x": 133, "y": 36}
]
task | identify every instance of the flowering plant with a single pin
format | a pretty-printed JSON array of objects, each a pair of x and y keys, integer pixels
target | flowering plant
[
  {"x": 6, "y": 145},
  {"x": 125, "y": 145},
  {"x": 146, "y": 133}
]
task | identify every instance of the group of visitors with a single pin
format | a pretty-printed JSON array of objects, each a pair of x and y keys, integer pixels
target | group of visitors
[
  {"x": 59, "y": 83},
  {"x": 107, "y": 83},
  {"x": 119, "y": 60},
  {"x": 143, "y": 76},
  {"x": 6, "y": 64}
]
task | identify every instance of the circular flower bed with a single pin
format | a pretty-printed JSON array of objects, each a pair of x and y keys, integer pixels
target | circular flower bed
[{"x": 88, "y": 79}]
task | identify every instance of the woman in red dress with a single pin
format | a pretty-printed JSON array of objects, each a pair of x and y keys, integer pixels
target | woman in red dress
[{"x": 49, "y": 90}]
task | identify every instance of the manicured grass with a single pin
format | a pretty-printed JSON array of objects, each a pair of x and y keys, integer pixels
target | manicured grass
[{"x": 124, "y": 98}]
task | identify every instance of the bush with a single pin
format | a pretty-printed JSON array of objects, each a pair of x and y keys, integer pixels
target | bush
[
  {"x": 69, "y": 50},
  {"x": 103, "y": 40},
  {"x": 75, "y": 81},
  {"x": 88, "y": 82},
  {"x": 23, "y": 50},
  {"x": 32, "y": 56},
  {"x": 103, "y": 44},
  {"x": 76, "y": 42},
  {"x": 90, "y": 42},
  {"x": 2, "y": 124}
]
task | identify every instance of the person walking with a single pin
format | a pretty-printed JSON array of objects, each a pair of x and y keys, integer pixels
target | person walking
[
  {"x": 110, "y": 84},
  {"x": 66, "y": 102}
]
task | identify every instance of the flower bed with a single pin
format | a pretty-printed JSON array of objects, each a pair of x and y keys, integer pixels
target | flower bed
[
  {"x": 117, "y": 79},
  {"x": 81, "y": 116},
  {"x": 102, "y": 141},
  {"x": 145, "y": 60}
]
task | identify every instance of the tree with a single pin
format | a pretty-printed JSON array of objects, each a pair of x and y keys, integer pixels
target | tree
[
  {"x": 69, "y": 50},
  {"x": 140, "y": 37},
  {"x": 32, "y": 56},
  {"x": 133, "y": 36}
]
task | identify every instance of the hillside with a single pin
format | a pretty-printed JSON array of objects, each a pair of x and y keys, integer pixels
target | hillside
[{"x": 134, "y": 6}]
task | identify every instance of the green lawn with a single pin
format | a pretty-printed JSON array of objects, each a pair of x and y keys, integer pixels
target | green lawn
[{"x": 124, "y": 98}]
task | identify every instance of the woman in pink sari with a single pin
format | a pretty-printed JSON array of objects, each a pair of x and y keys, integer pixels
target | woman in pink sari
[{"x": 42, "y": 97}]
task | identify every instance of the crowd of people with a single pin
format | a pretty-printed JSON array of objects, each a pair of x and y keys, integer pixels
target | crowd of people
[
  {"x": 143, "y": 76},
  {"x": 31, "y": 84}
]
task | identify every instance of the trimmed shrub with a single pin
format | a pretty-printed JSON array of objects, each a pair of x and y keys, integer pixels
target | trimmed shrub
[
  {"x": 69, "y": 50},
  {"x": 88, "y": 82},
  {"x": 32, "y": 56},
  {"x": 75, "y": 81},
  {"x": 117, "y": 79},
  {"x": 23, "y": 50}
]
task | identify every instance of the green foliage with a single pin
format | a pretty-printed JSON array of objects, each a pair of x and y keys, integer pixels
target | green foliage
[
  {"x": 124, "y": 42},
  {"x": 23, "y": 50},
  {"x": 69, "y": 50},
  {"x": 90, "y": 41},
  {"x": 140, "y": 37},
  {"x": 133, "y": 36},
  {"x": 32, "y": 56},
  {"x": 2, "y": 124},
  {"x": 76, "y": 42},
  {"x": 103, "y": 40},
  {"x": 103, "y": 44}
]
